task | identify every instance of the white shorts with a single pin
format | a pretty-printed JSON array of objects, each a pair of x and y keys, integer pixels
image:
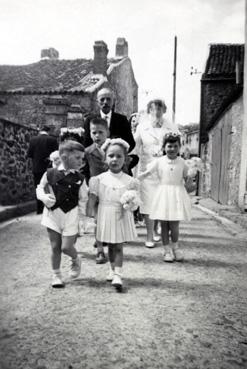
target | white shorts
[{"x": 67, "y": 224}]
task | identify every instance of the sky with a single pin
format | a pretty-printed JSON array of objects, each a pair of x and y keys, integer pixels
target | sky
[{"x": 149, "y": 26}]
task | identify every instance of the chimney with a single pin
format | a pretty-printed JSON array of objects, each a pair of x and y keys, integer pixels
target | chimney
[
  {"x": 121, "y": 47},
  {"x": 50, "y": 53},
  {"x": 100, "y": 57}
]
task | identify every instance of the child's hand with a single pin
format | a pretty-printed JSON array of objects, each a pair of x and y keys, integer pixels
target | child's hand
[
  {"x": 190, "y": 184},
  {"x": 143, "y": 175},
  {"x": 49, "y": 200}
]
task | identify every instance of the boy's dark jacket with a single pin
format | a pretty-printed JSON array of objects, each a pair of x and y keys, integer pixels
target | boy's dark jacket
[
  {"x": 65, "y": 188},
  {"x": 95, "y": 162}
]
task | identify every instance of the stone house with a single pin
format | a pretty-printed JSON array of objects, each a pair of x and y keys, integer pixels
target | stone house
[
  {"x": 221, "y": 123},
  {"x": 58, "y": 93}
]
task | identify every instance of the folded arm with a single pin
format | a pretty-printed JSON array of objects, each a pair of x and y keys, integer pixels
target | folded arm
[{"x": 47, "y": 198}]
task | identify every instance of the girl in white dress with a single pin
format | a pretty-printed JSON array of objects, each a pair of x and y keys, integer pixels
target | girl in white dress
[
  {"x": 171, "y": 202},
  {"x": 115, "y": 223},
  {"x": 149, "y": 138}
]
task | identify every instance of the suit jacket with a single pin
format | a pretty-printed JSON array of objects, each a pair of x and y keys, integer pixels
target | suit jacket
[
  {"x": 119, "y": 127},
  {"x": 95, "y": 162},
  {"x": 40, "y": 148}
]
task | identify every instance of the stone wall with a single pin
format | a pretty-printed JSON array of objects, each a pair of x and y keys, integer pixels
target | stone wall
[
  {"x": 27, "y": 110},
  {"x": 233, "y": 116},
  {"x": 16, "y": 180},
  {"x": 205, "y": 175}
]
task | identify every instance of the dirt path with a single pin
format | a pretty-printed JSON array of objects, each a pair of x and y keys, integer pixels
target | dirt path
[{"x": 181, "y": 315}]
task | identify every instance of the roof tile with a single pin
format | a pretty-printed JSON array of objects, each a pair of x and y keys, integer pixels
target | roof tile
[
  {"x": 45, "y": 75},
  {"x": 222, "y": 60}
]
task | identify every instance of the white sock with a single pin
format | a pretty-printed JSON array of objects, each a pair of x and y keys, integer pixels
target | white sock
[
  {"x": 118, "y": 270},
  {"x": 56, "y": 271}
]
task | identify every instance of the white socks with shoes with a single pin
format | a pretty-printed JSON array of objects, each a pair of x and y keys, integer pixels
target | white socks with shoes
[
  {"x": 168, "y": 254},
  {"x": 110, "y": 274},
  {"x": 57, "y": 281},
  {"x": 178, "y": 254},
  {"x": 117, "y": 281}
]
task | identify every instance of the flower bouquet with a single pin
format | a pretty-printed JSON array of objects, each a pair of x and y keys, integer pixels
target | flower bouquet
[
  {"x": 130, "y": 200},
  {"x": 195, "y": 165}
]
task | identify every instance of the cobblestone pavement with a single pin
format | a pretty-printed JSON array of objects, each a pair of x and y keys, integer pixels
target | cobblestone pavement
[{"x": 188, "y": 315}]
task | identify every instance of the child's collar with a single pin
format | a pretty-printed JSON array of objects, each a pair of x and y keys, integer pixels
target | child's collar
[{"x": 61, "y": 168}]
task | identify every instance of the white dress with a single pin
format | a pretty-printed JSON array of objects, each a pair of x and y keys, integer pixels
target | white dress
[
  {"x": 170, "y": 200},
  {"x": 114, "y": 224},
  {"x": 149, "y": 142}
]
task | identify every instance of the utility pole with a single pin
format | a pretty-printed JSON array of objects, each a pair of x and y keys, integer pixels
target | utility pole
[{"x": 174, "y": 81}]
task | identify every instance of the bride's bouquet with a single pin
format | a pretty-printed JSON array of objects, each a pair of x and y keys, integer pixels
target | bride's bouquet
[
  {"x": 130, "y": 200},
  {"x": 195, "y": 165}
]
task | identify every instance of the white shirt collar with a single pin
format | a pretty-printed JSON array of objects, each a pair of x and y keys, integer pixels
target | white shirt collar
[
  {"x": 61, "y": 168},
  {"x": 103, "y": 115}
]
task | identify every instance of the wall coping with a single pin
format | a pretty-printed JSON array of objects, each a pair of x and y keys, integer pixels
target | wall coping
[{"x": 5, "y": 121}]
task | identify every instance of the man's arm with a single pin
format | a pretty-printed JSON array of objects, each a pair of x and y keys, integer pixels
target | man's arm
[
  {"x": 30, "y": 149},
  {"x": 54, "y": 145},
  {"x": 129, "y": 135},
  {"x": 122, "y": 129}
]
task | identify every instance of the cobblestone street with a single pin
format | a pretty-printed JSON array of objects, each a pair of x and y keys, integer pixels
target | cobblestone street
[{"x": 180, "y": 315}]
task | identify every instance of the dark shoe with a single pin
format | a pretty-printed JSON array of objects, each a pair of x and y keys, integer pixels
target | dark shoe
[
  {"x": 95, "y": 245},
  {"x": 100, "y": 258}
]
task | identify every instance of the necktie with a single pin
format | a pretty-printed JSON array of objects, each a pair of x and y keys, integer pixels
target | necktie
[{"x": 107, "y": 119}]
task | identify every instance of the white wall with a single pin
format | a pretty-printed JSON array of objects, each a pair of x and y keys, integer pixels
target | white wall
[{"x": 243, "y": 167}]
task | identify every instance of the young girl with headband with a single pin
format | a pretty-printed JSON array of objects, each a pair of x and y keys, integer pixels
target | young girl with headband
[
  {"x": 171, "y": 202},
  {"x": 115, "y": 222}
]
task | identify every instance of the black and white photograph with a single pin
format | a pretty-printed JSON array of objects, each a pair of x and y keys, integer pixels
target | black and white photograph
[{"x": 123, "y": 184}]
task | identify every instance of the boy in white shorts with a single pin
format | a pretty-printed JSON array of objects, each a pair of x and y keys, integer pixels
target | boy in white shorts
[{"x": 65, "y": 204}]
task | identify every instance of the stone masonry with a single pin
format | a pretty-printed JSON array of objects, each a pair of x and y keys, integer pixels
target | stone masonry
[{"x": 16, "y": 181}]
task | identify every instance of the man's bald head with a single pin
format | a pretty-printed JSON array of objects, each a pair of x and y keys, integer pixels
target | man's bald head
[{"x": 105, "y": 99}]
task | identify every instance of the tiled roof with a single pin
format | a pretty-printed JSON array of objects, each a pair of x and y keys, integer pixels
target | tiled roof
[
  {"x": 222, "y": 60},
  {"x": 48, "y": 76}
]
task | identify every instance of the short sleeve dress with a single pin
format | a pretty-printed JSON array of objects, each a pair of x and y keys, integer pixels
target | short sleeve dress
[
  {"x": 114, "y": 224},
  {"x": 171, "y": 201},
  {"x": 149, "y": 142}
]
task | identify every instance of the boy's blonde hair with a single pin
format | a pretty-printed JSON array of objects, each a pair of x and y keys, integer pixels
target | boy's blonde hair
[
  {"x": 69, "y": 146},
  {"x": 116, "y": 141}
]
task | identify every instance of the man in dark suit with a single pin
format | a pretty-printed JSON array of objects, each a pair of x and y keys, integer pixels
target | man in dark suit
[
  {"x": 40, "y": 148},
  {"x": 118, "y": 124}
]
